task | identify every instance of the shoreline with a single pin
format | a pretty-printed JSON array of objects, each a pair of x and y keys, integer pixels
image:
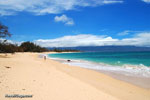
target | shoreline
[
  {"x": 139, "y": 81},
  {"x": 100, "y": 84},
  {"x": 53, "y": 80}
]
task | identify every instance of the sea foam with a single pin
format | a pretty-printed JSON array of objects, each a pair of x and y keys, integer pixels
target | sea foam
[{"x": 126, "y": 69}]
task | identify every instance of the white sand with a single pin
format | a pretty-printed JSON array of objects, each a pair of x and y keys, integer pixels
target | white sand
[{"x": 26, "y": 74}]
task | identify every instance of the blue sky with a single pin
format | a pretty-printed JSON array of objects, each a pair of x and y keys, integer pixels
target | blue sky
[{"x": 62, "y": 22}]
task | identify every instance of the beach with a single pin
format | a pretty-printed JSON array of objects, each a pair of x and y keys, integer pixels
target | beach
[{"x": 28, "y": 74}]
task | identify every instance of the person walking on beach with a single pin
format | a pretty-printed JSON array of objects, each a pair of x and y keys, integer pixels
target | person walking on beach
[{"x": 44, "y": 57}]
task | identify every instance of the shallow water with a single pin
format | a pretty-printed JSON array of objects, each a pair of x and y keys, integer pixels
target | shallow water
[
  {"x": 133, "y": 71},
  {"x": 112, "y": 58},
  {"x": 135, "y": 77}
]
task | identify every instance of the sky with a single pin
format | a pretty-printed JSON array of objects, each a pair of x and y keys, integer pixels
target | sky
[{"x": 70, "y": 23}]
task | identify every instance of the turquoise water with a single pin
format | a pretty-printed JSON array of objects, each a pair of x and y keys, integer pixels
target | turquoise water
[{"x": 111, "y": 58}]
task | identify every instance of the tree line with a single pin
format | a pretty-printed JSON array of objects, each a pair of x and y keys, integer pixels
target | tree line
[
  {"x": 6, "y": 47},
  {"x": 24, "y": 47}
]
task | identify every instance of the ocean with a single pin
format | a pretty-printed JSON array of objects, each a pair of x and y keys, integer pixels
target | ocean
[{"x": 128, "y": 63}]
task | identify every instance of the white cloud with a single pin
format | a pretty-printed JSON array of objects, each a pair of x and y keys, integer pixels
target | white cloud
[
  {"x": 64, "y": 19},
  {"x": 127, "y": 32},
  {"x": 10, "y": 41},
  {"x": 40, "y": 7},
  {"x": 141, "y": 39},
  {"x": 146, "y": 1},
  {"x": 76, "y": 40},
  {"x": 112, "y": 1},
  {"x": 124, "y": 33}
]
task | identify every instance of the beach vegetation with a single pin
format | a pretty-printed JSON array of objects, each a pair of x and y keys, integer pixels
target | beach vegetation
[
  {"x": 31, "y": 47},
  {"x": 4, "y": 31},
  {"x": 9, "y": 47},
  {"x": 64, "y": 50}
]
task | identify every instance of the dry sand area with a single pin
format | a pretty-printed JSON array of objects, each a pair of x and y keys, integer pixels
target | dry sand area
[{"x": 27, "y": 74}]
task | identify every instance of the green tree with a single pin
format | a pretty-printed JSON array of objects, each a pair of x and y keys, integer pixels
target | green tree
[
  {"x": 31, "y": 47},
  {"x": 27, "y": 46},
  {"x": 4, "y": 31},
  {"x": 4, "y": 46}
]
